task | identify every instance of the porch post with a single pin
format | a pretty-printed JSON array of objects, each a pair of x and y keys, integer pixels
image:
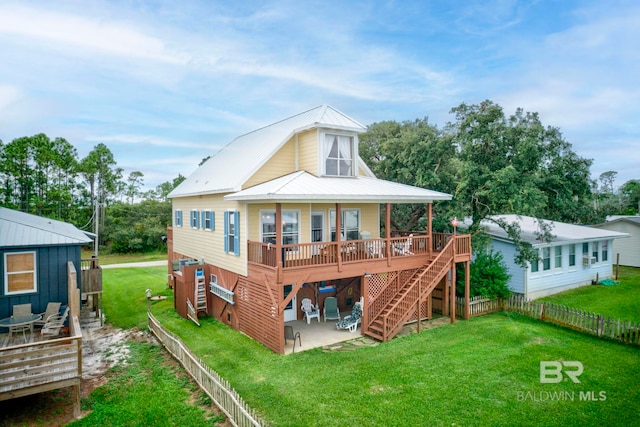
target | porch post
[
  {"x": 279, "y": 260},
  {"x": 387, "y": 232},
  {"x": 467, "y": 289},
  {"x": 429, "y": 229},
  {"x": 365, "y": 298},
  {"x": 452, "y": 300},
  {"x": 339, "y": 235}
]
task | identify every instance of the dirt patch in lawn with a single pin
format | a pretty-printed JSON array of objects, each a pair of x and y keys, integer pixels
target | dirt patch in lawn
[{"x": 102, "y": 347}]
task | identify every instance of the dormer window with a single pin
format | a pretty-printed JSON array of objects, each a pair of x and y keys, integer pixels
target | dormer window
[{"x": 339, "y": 155}]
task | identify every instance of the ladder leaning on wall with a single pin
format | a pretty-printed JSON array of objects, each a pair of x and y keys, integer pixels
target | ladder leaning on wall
[{"x": 200, "y": 297}]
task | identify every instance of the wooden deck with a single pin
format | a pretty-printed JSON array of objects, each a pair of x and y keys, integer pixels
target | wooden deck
[{"x": 332, "y": 260}]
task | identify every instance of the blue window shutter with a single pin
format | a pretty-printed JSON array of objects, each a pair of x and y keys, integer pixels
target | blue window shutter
[
  {"x": 236, "y": 238},
  {"x": 213, "y": 220},
  {"x": 226, "y": 231},
  {"x": 203, "y": 219},
  {"x": 179, "y": 218}
]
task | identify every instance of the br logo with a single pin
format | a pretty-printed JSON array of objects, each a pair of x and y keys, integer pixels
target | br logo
[{"x": 551, "y": 371}]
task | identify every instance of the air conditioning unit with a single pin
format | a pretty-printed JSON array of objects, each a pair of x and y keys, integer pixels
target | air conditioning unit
[{"x": 588, "y": 260}]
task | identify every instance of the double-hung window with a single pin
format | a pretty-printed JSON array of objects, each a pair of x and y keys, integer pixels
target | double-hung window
[
  {"x": 350, "y": 224},
  {"x": 535, "y": 265},
  {"x": 546, "y": 258},
  {"x": 596, "y": 250},
  {"x": 208, "y": 222},
  {"x": 194, "y": 218},
  {"x": 177, "y": 221},
  {"x": 339, "y": 155},
  {"x": 290, "y": 226},
  {"x": 232, "y": 232},
  {"x": 20, "y": 273},
  {"x": 605, "y": 251},
  {"x": 572, "y": 255},
  {"x": 558, "y": 257}
]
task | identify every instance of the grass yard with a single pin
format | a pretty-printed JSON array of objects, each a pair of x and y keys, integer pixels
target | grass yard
[
  {"x": 619, "y": 301},
  {"x": 480, "y": 372},
  {"x": 148, "y": 391},
  {"x": 106, "y": 259}
]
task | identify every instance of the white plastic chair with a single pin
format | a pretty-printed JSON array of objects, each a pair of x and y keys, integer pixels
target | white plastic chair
[
  {"x": 310, "y": 311},
  {"x": 405, "y": 248}
]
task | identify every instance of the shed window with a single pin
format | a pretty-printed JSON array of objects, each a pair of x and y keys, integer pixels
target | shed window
[
  {"x": 20, "y": 273},
  {"x": 596, "y": 250},
  {"x": 535, "y": 265},
  {"x": 605, "y": 251}
]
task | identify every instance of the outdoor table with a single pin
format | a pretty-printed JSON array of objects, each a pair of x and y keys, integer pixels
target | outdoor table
[{"x": 19, "y": 321}]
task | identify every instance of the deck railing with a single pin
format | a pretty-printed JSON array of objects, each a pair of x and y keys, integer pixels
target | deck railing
[
  {"x": 42, "y": 366},
  {"x": 350, "y": 251}
]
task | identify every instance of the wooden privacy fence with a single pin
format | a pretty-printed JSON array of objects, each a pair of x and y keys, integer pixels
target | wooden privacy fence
[
  {"x": 216, "y": 387},
  {"x": 593, "y": 323}
]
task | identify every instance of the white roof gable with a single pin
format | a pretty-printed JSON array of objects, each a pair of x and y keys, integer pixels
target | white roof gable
[
  {"x": 302, "y": 186},
  {"x": 18, "y": 229},
  {"x": 228, "y": 169},
  {"x": 562, "y": 231}
]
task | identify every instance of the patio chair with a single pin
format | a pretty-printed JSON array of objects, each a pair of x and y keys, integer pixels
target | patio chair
[
  {"x": 404, "y": 248},
  {"x": 310, "y": 310},
  {"x": 20, "y": 310},
  {"x": 53, "y": 309},
  {"x": 351, "y": 322},
  {"x": 54, "y": 324},
  {"x": 288, "y": 333},
  {"x": 330, "y": 310}
]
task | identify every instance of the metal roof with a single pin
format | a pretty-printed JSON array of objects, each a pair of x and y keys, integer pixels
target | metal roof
[
  {"x": 563, "y": 232},
  {"x": 302, "y": 186},
  {"x": 228, "y": 169},
  {"x": 18, "y": 229}
]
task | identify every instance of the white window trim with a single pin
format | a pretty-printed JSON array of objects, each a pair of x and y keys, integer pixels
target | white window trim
[
  {"x": 297, "y": 211},
  {"x": 555, "y": 267},
  {"x": 193, "y": 215},
  {"x": 206, "y": 214},
  {"x": 34, "y": 272},
  {"x": 175, "y": 217},
  {"x": 322, "y": 133},
  {"x": 331, "y": 226}
]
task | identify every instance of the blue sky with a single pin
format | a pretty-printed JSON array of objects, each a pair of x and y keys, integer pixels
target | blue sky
[{"x": 166, "y": 83}]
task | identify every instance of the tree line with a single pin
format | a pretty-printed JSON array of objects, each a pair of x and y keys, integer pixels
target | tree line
[
  {"x": 490, "y": 162},
  {"x": 46, "y": 177}
]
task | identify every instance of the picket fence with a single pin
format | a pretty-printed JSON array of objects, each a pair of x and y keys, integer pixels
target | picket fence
[
  {"x": 217, "y": 388},
  {"x": 593, "y": 323}
]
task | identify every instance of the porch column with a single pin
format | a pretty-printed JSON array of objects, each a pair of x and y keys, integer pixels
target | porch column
[
  {"x": 467, "y": 289},
  {"x": 339, "y": 235},
  {"x": 429, "y": 229},
  {"x": 279, "y": 260},
  {"x": 387, "y": 232},
  {"x": 452, "y": 300}
]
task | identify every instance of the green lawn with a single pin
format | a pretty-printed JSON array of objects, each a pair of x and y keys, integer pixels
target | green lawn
[
  {"x": 124, "y": 258},
  {"x": 620, "y": 301},
  {"x": 485, "y": 371}
]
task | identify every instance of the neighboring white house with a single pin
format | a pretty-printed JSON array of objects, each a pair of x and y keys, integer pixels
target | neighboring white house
[
  {"x": 628, "y": 249},
  {"x": 576, "y": 256}
]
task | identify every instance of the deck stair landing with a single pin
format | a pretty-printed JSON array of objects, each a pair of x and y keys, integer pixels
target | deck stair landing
[{"x": 408, "y": 298}]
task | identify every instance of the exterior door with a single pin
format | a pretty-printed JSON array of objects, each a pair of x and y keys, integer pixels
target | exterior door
[
  {"x": 317, "y": 230},
  {"x": 291, "y": 310}
]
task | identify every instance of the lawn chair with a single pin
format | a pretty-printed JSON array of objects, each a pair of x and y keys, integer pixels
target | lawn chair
[
  {"x": 53, "y": 309},
  {"x": 310, "y": 310},
  {"x": 404, "y": 248},
  {"x": 288, "y": 333},
  {"x": 351, "y": 322},
  {"x": 20, "y": 310},
  {"x": 54, "y": 324},
  {"x": 330, "y": 310}
]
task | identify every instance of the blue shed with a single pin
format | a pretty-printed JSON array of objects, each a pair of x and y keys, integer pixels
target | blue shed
[{"x": 34, "y": 252}]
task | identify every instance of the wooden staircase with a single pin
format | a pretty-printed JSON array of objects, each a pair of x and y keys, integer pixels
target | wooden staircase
[{"x": 388, "y": 322}]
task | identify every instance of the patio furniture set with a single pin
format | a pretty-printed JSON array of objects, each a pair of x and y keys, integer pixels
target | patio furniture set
[{"x": 23, "y": 320}]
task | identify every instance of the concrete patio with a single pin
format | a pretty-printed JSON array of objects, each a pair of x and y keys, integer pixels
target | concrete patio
[{"x": 317, "y": 334}]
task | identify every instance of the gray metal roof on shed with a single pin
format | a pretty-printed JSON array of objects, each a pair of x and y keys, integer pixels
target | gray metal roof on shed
[
  {"x": 228, "y": 169},
  {"x": 563, "y": 232},
  {"x": 302, "y": 186},
  {"x": 19, "y": 229}
]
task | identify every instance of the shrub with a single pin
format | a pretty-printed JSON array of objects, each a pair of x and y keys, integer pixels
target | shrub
[{"x": 489, "y": 277}]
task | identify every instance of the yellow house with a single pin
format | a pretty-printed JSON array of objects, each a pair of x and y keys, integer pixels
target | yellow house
[{"x": 228, "y": 258}]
